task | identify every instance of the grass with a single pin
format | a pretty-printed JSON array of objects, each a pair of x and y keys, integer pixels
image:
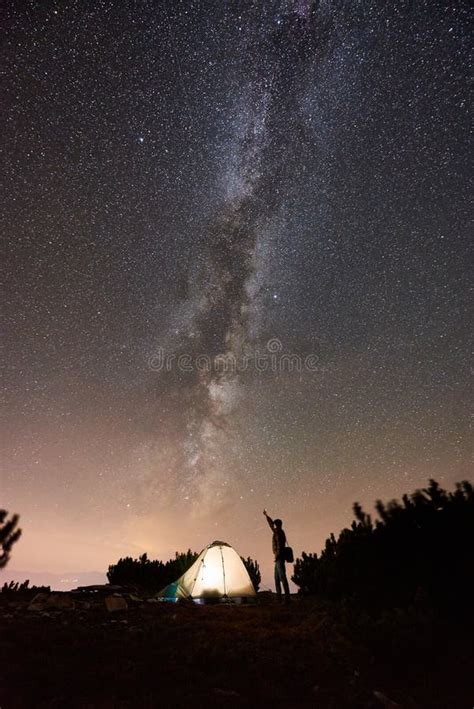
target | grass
[{"x": 311, "y": 654}]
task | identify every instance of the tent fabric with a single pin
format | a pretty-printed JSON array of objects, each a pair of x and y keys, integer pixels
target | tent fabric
[{"x": 217, "y": 574}]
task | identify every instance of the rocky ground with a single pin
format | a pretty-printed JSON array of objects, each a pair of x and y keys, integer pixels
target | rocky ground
[{"x": 111, "y": 648}]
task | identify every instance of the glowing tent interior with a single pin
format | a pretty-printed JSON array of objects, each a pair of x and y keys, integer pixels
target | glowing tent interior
[{"x": 218, "y": 574}]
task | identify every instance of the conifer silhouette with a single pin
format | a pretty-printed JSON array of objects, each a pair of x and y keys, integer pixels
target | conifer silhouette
[
  {"x": 9, "y": 534},
  {"x": 420, "y": 547},
  {"x": 253, "y": 570},
  {"x": 148, "y": 575}
]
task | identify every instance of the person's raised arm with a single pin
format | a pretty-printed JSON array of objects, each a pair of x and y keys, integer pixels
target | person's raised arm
[{"x": 269, "y": 520}]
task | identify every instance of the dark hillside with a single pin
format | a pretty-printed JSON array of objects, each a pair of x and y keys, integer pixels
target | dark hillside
[{"x": 160, "y": 655}]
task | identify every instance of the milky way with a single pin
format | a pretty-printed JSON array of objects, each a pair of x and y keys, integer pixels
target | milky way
[
  {"x": 221, "y": 326},
  {"x": 221, "y": 181}
]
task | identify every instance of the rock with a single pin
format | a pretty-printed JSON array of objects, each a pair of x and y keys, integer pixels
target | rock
[
  {"x": 115, "y": 603},
  {"x": 136, "y": 599},
  {"x": 186, "y": 603},
  {"x": 136, "y": 629},
  {"x": 60, "y": 602},
  {"x": 104, "y": 588},
  {"x": 384, "y": 700},
  {"x": 52, "y": 602},
  {"x": 38, "y": 602},
  {"x": 14, "y": 605},
  {"x": 226, "y": 692}
]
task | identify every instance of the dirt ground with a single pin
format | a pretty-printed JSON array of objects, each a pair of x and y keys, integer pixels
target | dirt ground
[{"x": 157, "y": 655}]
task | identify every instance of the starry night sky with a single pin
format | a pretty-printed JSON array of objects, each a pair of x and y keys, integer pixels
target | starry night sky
[{"x": 229, "y": 178}]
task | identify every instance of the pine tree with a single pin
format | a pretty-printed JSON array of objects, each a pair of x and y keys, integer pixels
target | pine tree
[
  {"x": 150, "y": 575},
  {"x": 253, "y": 570},
  {"x": 421, "y": 546},
  {"x": 9, "y": 534}
]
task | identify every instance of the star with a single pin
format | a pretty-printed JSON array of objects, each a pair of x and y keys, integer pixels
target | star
[{"x": 304, "y": 183}]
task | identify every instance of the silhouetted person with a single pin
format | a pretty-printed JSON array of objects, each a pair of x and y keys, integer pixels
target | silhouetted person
[{"x": 278, "y": 546}]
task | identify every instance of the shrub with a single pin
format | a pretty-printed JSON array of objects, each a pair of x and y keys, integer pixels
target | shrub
[
  {"x": 417, "y": 549},
  {"x": 9, "y": 534},
  {"x": 15, "y": 587},
  {"x": 253, "y": 570},
  {"x": 150, "y": 575}
]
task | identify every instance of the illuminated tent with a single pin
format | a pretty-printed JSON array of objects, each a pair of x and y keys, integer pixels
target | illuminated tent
[{"x": 218, "y": 574}]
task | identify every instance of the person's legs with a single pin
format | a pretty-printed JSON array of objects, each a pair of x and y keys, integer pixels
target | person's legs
[
  {"x": 284, "y": 580},
  {"x": 280, "y": 577},
  {"x": 277, "y": 579}
]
